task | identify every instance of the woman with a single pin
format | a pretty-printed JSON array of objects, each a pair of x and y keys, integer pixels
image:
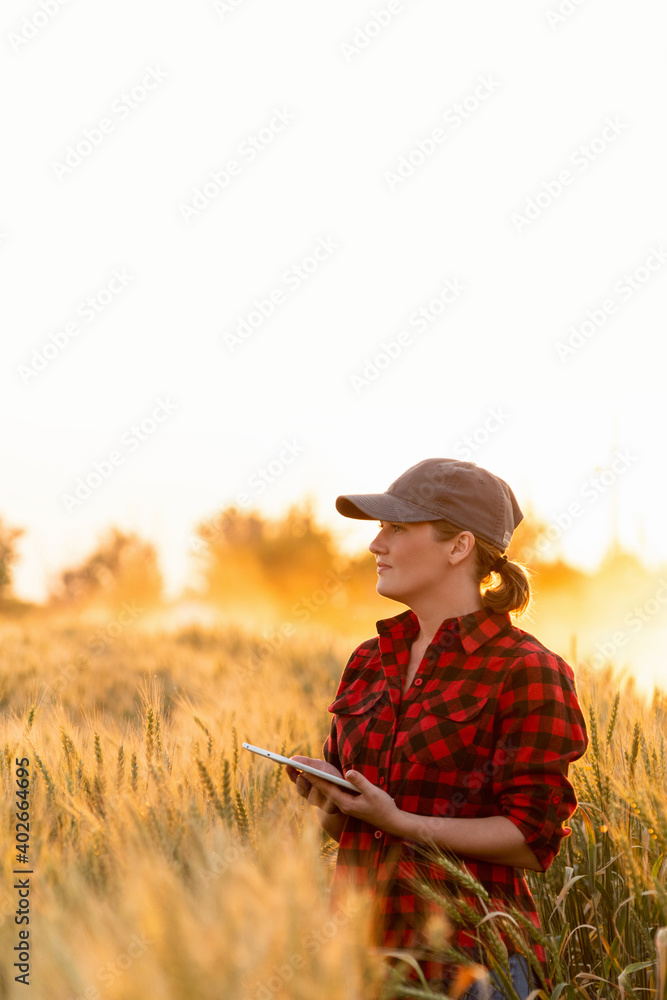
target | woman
[{"x": 456, "y": 727}]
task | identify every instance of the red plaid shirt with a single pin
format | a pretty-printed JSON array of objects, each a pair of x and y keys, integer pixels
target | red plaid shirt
[{"x": 488, "y": 727}]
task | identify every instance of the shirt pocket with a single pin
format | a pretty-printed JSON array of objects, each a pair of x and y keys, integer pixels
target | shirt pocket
[
  {"x": 353, "y": 711},
  {"x": 449, "y": 732}
]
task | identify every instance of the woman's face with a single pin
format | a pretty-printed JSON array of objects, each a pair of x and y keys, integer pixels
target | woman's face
[{"x": 411, "y": 563}]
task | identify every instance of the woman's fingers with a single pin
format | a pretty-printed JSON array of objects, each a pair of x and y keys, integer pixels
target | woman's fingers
[
  {"x": 313, "y": 796},
  {"x": 303, "y": 786},
  {"x": 306, "y": 786}
]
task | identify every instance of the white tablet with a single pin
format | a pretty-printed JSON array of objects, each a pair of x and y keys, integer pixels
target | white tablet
[{"x": 279, "y": 759}]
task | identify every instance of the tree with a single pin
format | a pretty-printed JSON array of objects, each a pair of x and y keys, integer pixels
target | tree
[
  {"x": 247, "y": 559},
  {"x": 8, "y": 554},
  {"x": 123, "y": 567}
]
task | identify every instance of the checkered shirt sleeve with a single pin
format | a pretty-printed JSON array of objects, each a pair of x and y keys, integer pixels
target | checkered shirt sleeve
[{"x": 540, "y": 718}]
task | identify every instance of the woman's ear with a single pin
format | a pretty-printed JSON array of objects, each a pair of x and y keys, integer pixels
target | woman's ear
[{"x": 461, "y": 547}]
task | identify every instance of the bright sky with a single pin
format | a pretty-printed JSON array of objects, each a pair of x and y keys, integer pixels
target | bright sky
[{"x": 436, "y": 230}]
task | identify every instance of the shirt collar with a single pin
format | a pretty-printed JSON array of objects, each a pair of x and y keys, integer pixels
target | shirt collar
[{"x": 474, "y": 629}]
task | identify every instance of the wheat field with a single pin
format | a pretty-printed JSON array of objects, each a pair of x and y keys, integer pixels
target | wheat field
[{"x": 168, "y": 862}]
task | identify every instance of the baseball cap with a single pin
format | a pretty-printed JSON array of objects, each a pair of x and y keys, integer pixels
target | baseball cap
[{"x": 471, "y": 498}]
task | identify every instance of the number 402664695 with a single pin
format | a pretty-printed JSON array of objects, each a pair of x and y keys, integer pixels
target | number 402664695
[{"x": 23, "y": 809}]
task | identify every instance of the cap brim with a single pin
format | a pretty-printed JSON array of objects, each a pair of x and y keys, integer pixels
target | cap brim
[{"x": 381, "y": 507}]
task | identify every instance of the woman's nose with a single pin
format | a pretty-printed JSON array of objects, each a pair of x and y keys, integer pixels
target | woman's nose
[{"x": 378, "y": 544}]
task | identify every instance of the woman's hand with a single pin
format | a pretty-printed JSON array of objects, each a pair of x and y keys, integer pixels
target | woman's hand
[
  {"x": 314, "y": 794},
  {"x": 373, "y": 804}
]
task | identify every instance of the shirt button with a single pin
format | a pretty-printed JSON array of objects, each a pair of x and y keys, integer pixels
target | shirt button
[
  {"x": 556, "y": 799},
  {"x": 382, "y": 781},
  {"x": 418, "y": 681},
  {"x": 377, "y": 834}
]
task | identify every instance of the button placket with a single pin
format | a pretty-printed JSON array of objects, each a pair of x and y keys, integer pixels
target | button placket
[{"x": 424, "y": 669}]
